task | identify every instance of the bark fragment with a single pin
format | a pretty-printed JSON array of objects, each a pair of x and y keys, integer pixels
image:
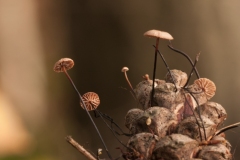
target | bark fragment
[
  {"x": 175, "y": 147},
  {"x": 141, "y": 145}
]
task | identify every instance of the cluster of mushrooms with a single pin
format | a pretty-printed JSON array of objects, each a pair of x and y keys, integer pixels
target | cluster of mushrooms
[{"x": 178, "y": 121}]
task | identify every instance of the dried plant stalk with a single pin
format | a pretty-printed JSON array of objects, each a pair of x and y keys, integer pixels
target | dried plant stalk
[{"x": 80, "y": 148}]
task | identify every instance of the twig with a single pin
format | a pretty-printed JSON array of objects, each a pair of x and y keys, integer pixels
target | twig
[
  {"x": 80, "y": 148},
  {"x": 191, "y": 73},
  {"x": 188, "y": 58}
]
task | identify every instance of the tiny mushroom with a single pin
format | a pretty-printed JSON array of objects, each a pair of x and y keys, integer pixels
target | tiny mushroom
[
  {"x": 156, "y": 34},
  {"x": 207, "y": 86},
  {"x": 91, "y": 101},
  {"x": 63, "y": 64},
  {"x": 125, "y": 69}
]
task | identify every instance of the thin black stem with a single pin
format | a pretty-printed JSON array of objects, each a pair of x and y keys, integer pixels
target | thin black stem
[
  {"x": 111, "y": 128},
  {"x": 112, "y": 122},
  {"x": 199, "y": 113},
  {"x": 166, "y": 65},
  {"x": 191, "y": 73},
  {"x": 154, "y": 75},
  {"x": 154, "y": 71},
  {"x": 81, "y": 100},
  {"x": 189, "y": 59},
  {"x": 194, "y": 116}
]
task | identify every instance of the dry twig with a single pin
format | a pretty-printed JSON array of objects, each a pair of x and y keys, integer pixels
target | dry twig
[{"x": 80, "y": 148}]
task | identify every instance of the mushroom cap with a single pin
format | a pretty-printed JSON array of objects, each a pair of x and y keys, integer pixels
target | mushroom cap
[
  {"x": 207, "y": 86},
  {"x": 158, "y": 34},
  {"x": 146, "y": 77},
  {"x": 91, "y": 101},
  {"x": 66, "y": 63},
  {"x": 125, "y": 69}
]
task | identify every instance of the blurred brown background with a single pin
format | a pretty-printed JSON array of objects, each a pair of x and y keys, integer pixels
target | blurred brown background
[{"x": 39, "y": 107}]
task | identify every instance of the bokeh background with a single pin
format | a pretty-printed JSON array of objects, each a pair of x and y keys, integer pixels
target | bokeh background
[{"x": 39, "y": 108}]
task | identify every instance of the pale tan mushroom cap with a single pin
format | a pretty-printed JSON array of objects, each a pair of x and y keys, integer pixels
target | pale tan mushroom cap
[
  {"x": 125, "y": 69},
  {"x": 66, "y": 63},
  {"x": 207, "y": 86},
  {"x": 158, "y": 34}
]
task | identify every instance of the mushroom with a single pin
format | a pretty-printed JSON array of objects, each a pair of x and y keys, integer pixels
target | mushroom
[
  {"x": 63, "y": 65},
  {"x": 157, "y": 34},
  {"x": 91, "y": 101},
  {"x": 207, "y": 86},
  {"x": 125, "y": 69}
]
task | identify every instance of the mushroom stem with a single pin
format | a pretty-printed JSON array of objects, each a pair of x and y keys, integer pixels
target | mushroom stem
[
  {"x": 154, "y": 70},
  {"x": 166, "y": 65},
  {"x": 188, "y": 58},
  {"x": 111, "y": 128},
  {"x": 130, "y": 85},
  {"x": 191, "y": 73},
  {"x": 65, "y": 71},
  {"x": 199, "y": 126},
  {"x": 199, "y": 114}
]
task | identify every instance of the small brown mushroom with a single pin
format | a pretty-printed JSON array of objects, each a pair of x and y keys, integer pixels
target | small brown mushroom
[
  {"x": 91, "y": 101},
  {"x": 207, "y": 86},
  {"x": 64, "y": 63}
]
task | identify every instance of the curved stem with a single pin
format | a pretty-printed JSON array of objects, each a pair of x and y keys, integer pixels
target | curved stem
[
  {"x": 194, "y": 116},
  {"x": 130, "y": 85},
  {"x": 191, "y": 73},
  {"x": 111, "y": 128},
  {"x": 188, "y": 58},
  {"x": 199, "y": 113}
]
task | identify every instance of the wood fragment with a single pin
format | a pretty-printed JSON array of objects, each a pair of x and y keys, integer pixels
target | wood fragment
[{"x": 80, "y": 148}]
